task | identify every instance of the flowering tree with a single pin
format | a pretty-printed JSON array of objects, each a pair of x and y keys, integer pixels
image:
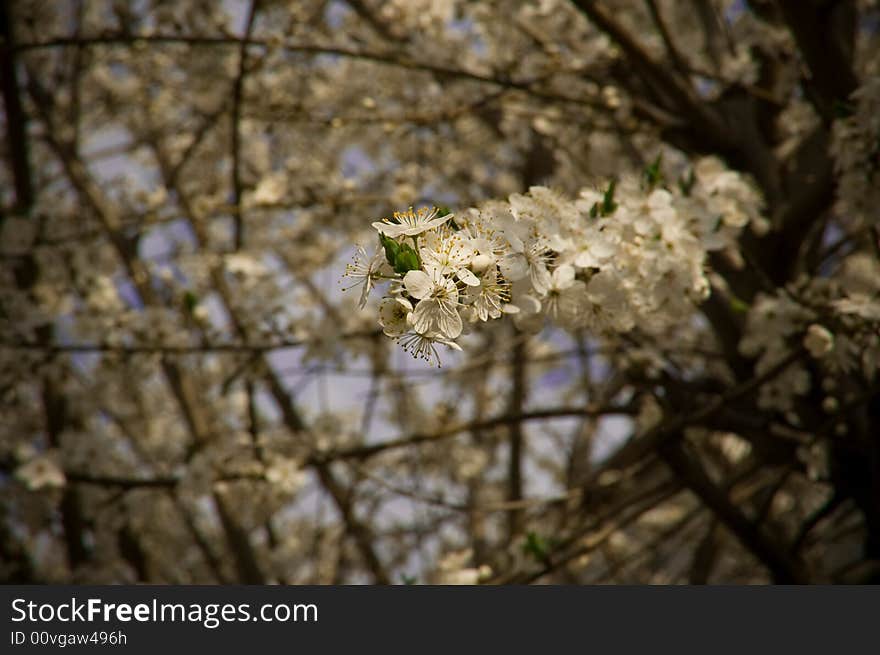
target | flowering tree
[{"x": 640, "y": 236}]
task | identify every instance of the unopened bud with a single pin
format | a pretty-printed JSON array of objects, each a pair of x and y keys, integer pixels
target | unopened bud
[{"x": 818, "y": 340}]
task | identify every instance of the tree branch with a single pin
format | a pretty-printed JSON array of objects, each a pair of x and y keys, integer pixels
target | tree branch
[{"x": 16, "y": 126}]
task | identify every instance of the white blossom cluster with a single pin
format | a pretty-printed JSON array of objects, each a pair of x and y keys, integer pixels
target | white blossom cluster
[
  {"x": 856, "y": 150},
  {"x": 836, "y": 320},
  {"x": 631, "y": 255}
]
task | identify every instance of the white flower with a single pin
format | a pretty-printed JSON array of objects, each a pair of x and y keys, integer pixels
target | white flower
[
  {"x": 364, "y": 271},
  {"x": 565, "y": 297},
  {"x": 529, "y": 258},
  {"x": 270, "y": 190},
  {"x": 286, "y": 474},
  {"x": 608, "y": 303},
  {"x": 423, "y": 346},
  {"x": 453, "y": 570},
  {"x": 394, "y": 313},
  {"x": 523, "y": 298},
  {"x": 450, "y": 254},
  {"x": 487, "y": 239},
  {"x": 488, "y": 299},
  {"x": 42, "y": 472},
  {"x": 859, "y": 304},
  {"x": 245, "y": 265},
  {"x": 410, "y": 223},
  {"x": 818, "y": 340},
  {"x": 594, "y": 250},
  {"x": 437, "y": 310}
]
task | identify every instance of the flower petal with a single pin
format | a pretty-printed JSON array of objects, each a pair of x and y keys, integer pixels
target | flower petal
[
  {"x": 468, "y": 278},
  {"x": 563, "y": 276},
  {"x": 450, "y": 324},
  {"x": 540, "y": 278},
  {"x": 418, "y": 284},
  {"x": 423, "y": 316},
  {"x": 514, "y": 267}
]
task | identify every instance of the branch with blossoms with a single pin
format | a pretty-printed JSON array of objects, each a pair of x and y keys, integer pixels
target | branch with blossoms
[{"x": 633, "y": 254}]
